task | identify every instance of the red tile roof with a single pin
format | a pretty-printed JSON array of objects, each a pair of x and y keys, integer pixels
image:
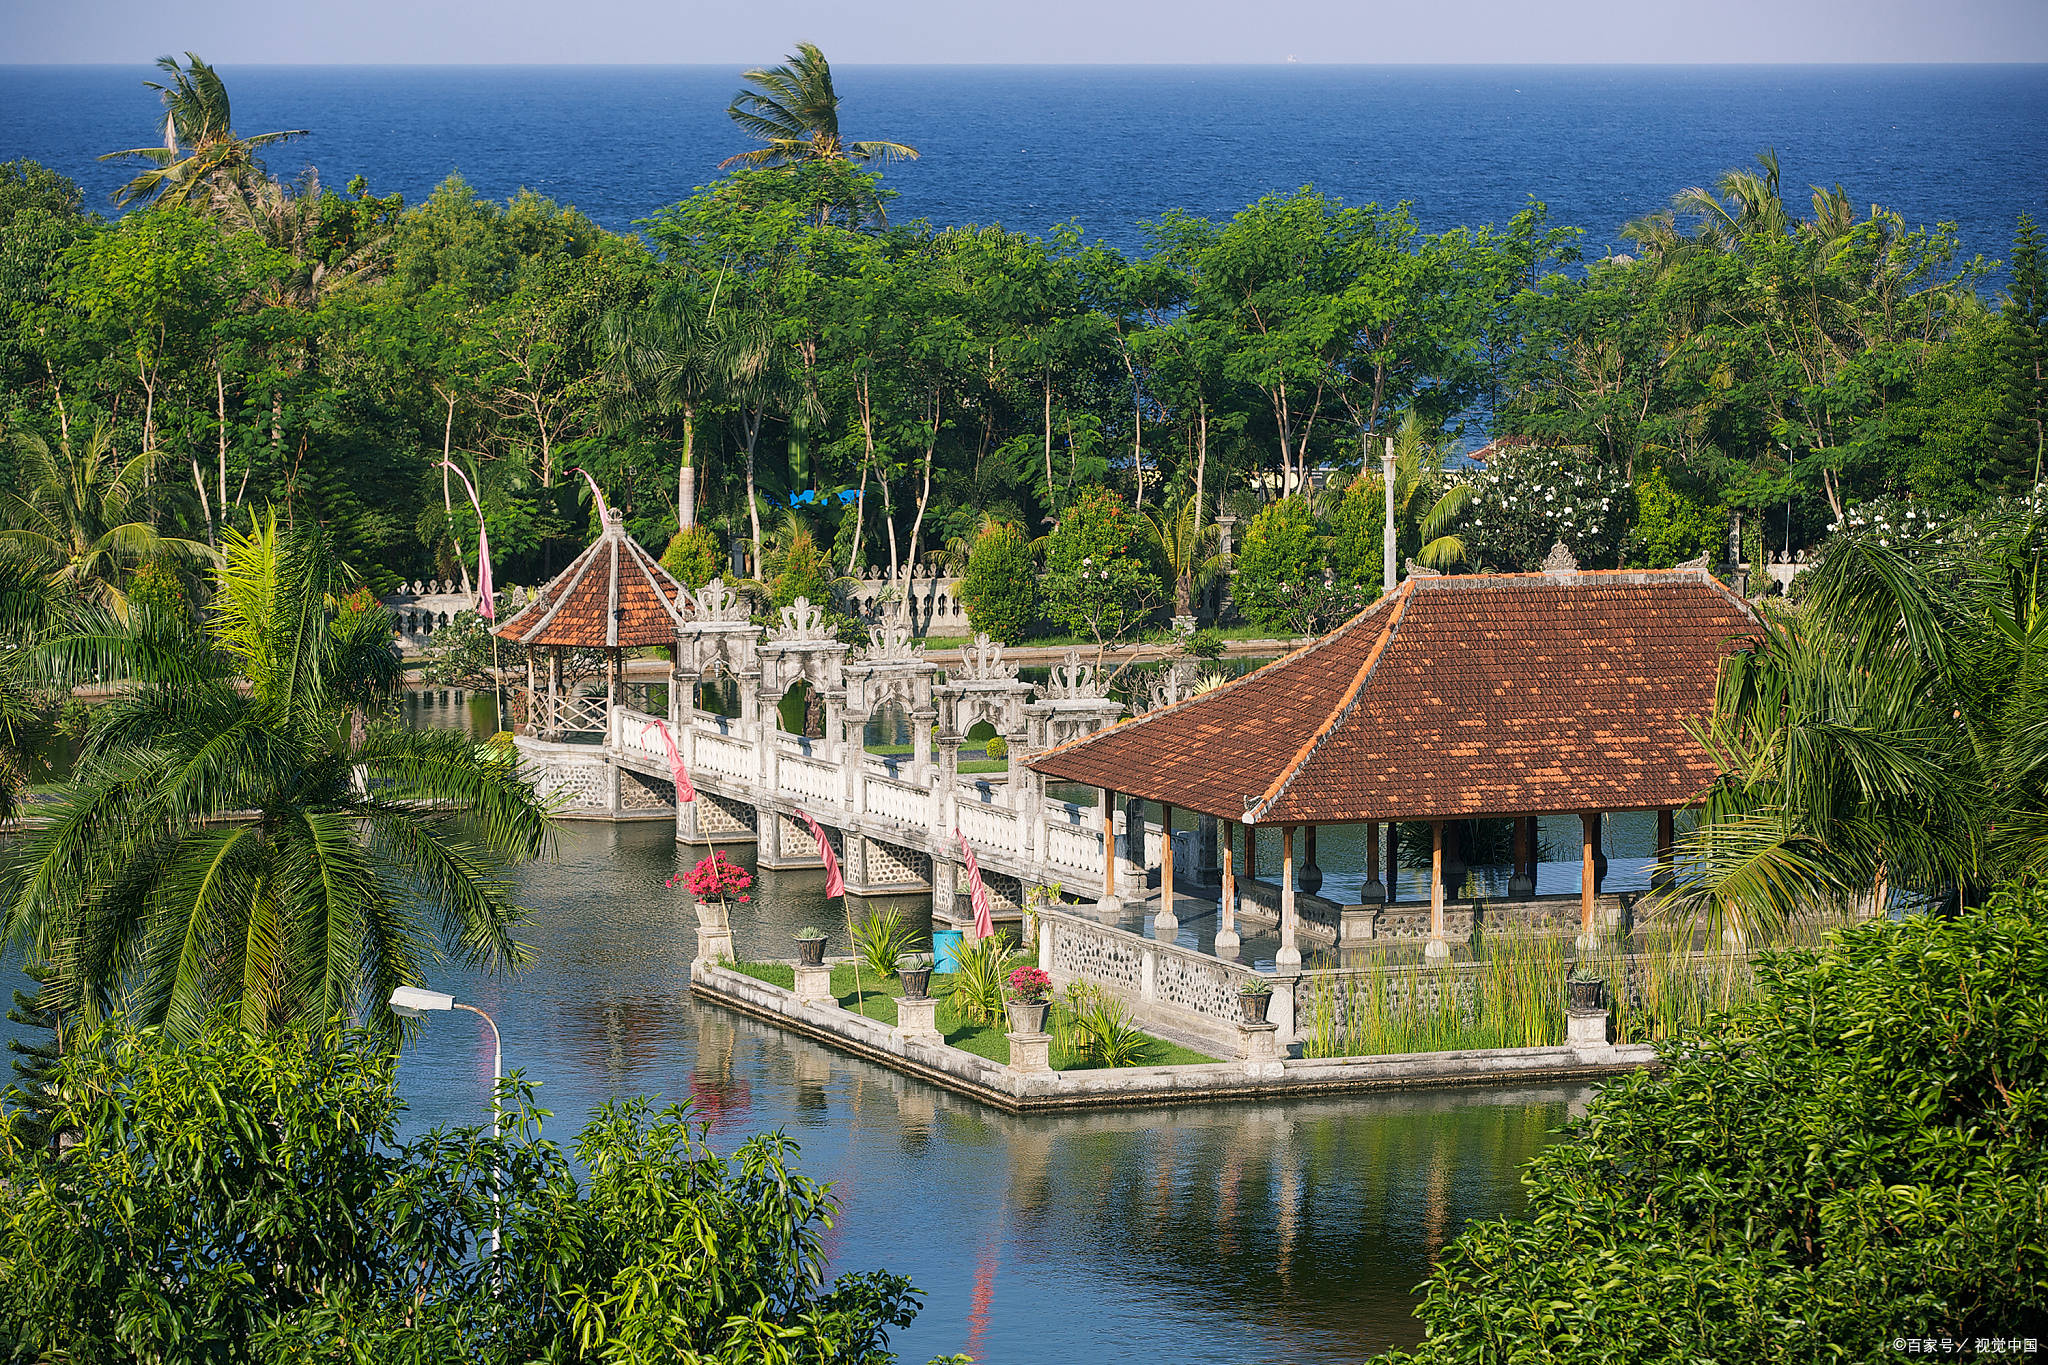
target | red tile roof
[
  {"x": 615, "y": 595},
  {"x": 1490, "y": 694}
]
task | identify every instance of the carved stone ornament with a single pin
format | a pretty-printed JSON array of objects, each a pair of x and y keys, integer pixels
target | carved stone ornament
[
  {"x": 1415, "y": 570},
  {"x": 983, "y": 662},
  {"x": 891, "y": 642},
  {"x": 1698, "y": 566},
  {"x": 716, "y": 602},
  {"x": 1560, "y": 560},
  {"x": 1072, "y": 680},
  {"x": 802, "y": 620}
]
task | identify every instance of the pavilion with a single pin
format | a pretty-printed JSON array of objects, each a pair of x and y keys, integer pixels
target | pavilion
[
  {"x": 1451, "y": 698},
  {"x": 613, "y": 597}
]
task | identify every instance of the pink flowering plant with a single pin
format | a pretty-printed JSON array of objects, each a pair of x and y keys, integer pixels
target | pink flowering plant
[
  {"x": 715, "y": 878},
  {"x": 1030, "y": 986}
]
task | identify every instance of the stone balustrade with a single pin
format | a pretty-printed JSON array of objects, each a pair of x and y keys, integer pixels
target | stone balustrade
[{"x": 1167, "y": 986}]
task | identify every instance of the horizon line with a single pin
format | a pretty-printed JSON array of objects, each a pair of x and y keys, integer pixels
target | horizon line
[{"x": 2002, "y": 62}]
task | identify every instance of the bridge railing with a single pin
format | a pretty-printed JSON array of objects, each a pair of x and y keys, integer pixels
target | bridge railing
[
  {"x": 1162, "y": 982},
  {"x": 895, "y": 800},
  {"x": 990, "y": 826},
  {"x": 725, "y": 755},
  {"x": 637, "y": 733},
  {"x": 810, "y": 779}
]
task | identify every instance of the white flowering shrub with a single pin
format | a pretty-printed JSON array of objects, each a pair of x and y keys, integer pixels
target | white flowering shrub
[{"x": 1527, "y": 499}]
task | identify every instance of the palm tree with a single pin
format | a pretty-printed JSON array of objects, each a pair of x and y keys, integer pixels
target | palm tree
[
  {"x": 88, "y": 517},
  {"x": 202, "y": 158},
  {"x": 243, "y": 833},
  {"x": 794, "y": 111},
  {"x": 1189, "y": 548},
  {"x": 1427, "y": 501}
]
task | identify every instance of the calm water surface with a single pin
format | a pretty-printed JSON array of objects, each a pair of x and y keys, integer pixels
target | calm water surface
[{"x": 1225, "y": 1233}]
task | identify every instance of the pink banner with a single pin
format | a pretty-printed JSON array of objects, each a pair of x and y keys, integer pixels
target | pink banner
[
  {"x": 835, "y": 885},
  {"x": 684, "y": 791},
  {"x": 486, "y": 596},
  {"x": 984, "y": 923}
]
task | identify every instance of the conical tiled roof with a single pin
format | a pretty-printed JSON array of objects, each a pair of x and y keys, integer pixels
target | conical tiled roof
[
  {"x": 1486, "y": 694},
  {"x": 615, "y": 595}
]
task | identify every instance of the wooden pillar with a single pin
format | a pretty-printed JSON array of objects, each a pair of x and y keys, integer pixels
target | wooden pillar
[
  {"x": 554, "y": 729},
  {"x": 1311, "y": 870},
  {"x": 1227, "y": 941},
  {"x": 1108, "y": 845},
  {"x": 1588, "y": 878},
  {"x": 1251, "y": 852},
  {"x": 1666, "y": 836},
  {"x": 1437, "y": 948},
  {"x": 532, "y": 697},
  {"x": 1288, "y": 959},
  {"x": 1165, "y": 921}
]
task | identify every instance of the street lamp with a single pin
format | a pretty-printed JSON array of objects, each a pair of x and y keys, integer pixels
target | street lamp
[{"x": 413, "y": 1002}]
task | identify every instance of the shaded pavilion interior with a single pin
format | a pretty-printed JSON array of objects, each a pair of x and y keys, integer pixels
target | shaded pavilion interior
[
  {"x": 613, "y": 597},
  {"x": 1470, "y": 697}
]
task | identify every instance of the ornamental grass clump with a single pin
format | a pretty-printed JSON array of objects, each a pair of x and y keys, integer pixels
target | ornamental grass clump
[
  {"x": 880, "y": 937},
  {"x": 981, "y": 977}
]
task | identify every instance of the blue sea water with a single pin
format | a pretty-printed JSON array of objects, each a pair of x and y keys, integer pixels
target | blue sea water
[{"x": 1109, "y": 147}]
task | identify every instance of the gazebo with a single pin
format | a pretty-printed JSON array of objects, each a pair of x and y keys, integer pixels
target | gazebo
[
  {"x": 613, "y": 597},
  {"x": 1452, "y": 698}
]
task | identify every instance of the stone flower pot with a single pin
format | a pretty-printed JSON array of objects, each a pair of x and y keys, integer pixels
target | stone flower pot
[
  {"x": 810, "y": 952},
  {"x": 712, "y": 914},
  {"x": 1585, "y": 994},
  {"x": 1254, "y": 1006},
  {"x": 916, "y": 980},
  {"x": 1028, "y": 1018}
]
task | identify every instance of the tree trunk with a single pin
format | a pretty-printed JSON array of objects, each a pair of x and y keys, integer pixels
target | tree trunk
[
  {"x": 924, "y": 496},
  {"x": 447, "y": 500},
  {"x": 754, "y": 503},
  {"x": 1051, "y": 502}
]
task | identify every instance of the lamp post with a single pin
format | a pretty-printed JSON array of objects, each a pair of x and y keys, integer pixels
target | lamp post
[{"x": 413, "y": 1002}]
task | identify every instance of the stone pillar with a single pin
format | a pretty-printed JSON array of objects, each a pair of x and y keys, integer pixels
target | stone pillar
[
  {"x": 1165, "y": 923},
  {"x": 853, "y": 859},
  {"x": 1110, "y": 902},
  {"x": 1311, "y": 873},
  {"x": 532, "y": 697},
  {"x": 1393, "y": 861},
  {"x": 1259, "y": 1044},
  {"x": 1660, "y": 878},
  {"x": 1132, "y": 873},
  {"x": 714, "y": 934},
  {"x": 853, "y": 760},
  {"x": 921, "y": 744},
  {"x": 814, "y": 984},
  {"x": 1205, "y": 849},
  {"x": 1374, "y": 892},
  {"x": 1227, "y": 941},
  {"x": 1030, "y": 1053},
  {"x": 917, "y": 1020},
  {"x": 1589, "y": 877},
  {"x": 554, "y": 712},
  {"x": 944, "y": 893},
  {"x": 1438, "y": 949},
  {"x": 1288, "y": 959},
  {"x": 1523, "y": 884}
]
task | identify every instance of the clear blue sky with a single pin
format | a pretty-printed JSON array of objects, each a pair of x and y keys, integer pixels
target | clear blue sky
[{"x": 747, "y": 32}]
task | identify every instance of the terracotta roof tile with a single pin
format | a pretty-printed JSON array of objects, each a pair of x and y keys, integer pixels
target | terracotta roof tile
[
  {"x": 1474, "y": 695},
  {"x": 576, "y": 610}
]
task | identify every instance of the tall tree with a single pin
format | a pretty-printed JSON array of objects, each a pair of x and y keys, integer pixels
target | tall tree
[
  {"x": 794, "y": 110},
  {"x": 202, "y": 158}
]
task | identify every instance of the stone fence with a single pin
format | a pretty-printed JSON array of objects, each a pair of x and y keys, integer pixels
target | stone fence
[{"x": 1167, "y": 987}]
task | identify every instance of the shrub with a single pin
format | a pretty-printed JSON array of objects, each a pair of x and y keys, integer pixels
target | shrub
[
  {"x": 1673, "y": 523},
  {"x": 693, "y": 557},
  {"x": 1530, "y": 497},
  {"x": 1000, "y": 590},
  {"x": 980, "y": 977},
  {"x": 879, "y": 938},
  {"x": 1102, "y": 578},
  {"x": 1858, "y": 1154},
  {"x": 243, "y": 1198},
  {"x": 1282, "y": 556},
  {"x": 998, "y": 748}
]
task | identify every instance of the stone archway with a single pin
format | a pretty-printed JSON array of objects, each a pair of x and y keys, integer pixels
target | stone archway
[
  {"x": 718, "y": 693},
  {"x": 801, "y": 711}
]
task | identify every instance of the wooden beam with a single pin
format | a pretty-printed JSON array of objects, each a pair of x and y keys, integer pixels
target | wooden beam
[
  {"x": 1108, "y": 842},
  {"x": 1588, "y": 823}
]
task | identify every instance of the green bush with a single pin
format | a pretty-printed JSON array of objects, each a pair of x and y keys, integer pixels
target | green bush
[
  {"x": 1000, "y": 590},
  {"x": 980, "y": 976},
  {"x": 1282, "y": 556},
  {"x": 1102, "y": 571},
  {"x": 693, "y": 558},
  {"x": 998, "y": 748},
  {"x": 1858, "y": 1154},
  {"x": 1674, "y": 523},
  {"x": 244, "y": 1199}
]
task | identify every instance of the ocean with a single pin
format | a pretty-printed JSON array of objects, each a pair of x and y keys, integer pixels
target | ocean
[{"x": 1110, "y": 147}]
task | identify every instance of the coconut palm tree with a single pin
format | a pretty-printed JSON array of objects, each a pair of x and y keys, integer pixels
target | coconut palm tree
[
  {"x": 1427, "y": 501},
  {"x": 1189, "y": 548},
  {"x": 244, "y": 832},
  {"x": 794, "y": 111},
  {"x": 88, "y": 517},
  {"x": 202, "y": 157}
]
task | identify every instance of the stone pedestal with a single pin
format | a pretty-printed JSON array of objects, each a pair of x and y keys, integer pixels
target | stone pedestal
[
  {"x": 1585, "y": 1030},
  {"x": 1521, "y": 887},
  {"x": 714, "y": 945},
  {"x": 1438, "y": 949},
  {"x": 1359, "y": 923},
  {"x": 1374, "y": 893},
  {"x": 1260, "y": 1045},
  {"x": 814, "y": 984},
  {"x": 1030, "y": 1053},
  {"x": 1109, "y": 905},
  {"x": 918, "y": 1019}
]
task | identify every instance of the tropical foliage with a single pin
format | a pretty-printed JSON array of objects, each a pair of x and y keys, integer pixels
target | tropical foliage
[
  {"x": 245, "y": 828},
  {"x": 1855, "y": 1158},
  {"x": 246, "y": 1198}
]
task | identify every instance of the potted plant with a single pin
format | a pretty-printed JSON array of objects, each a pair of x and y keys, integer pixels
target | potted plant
[
  {"x": 1584, "y": 993},
  {"x": 1253, "y": 995},
  {"x": 1029, "y": 998},
  {"x": 914, "y": 970},
  {"x": 810, "y": 946},
  {"x": 715, "y": 882}
]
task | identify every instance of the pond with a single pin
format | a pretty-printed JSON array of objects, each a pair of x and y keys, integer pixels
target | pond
[
  {"x": 1269, "y": 1231},
  {"x": 1209, "y": 1233}
]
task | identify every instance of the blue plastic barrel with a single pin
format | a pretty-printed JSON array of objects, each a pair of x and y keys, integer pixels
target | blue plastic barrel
[{"x": 945, "y": 944}]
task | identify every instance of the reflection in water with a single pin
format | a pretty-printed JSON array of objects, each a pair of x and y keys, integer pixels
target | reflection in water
[{"x": 1201, "y": 1233}]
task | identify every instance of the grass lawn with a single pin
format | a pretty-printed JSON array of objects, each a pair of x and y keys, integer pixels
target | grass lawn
[{"x": 877, "y": 1000}]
